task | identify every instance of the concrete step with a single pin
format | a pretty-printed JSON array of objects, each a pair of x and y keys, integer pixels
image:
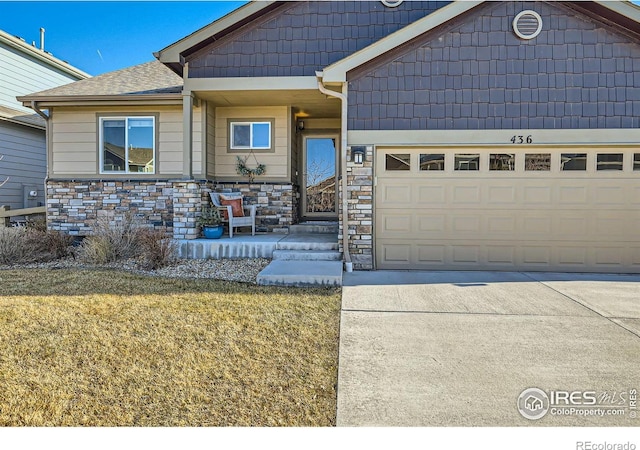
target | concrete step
[
  {"x": 307, "y": 255},
  {"x": 309, "y": 241},
  {"x": 301, "y": 273},
  {"x": 314, "y": 227}
]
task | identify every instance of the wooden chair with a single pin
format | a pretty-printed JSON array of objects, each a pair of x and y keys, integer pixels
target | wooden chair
[{"x": 248, "y": 220}]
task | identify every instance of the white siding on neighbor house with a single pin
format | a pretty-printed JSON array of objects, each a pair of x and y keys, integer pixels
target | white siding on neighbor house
[
  {"x": 277, "y": 161},
  {"x": 23, "y": 163},
  {"x": 21, "y": 74},
  {"x": 75, "y": 137}
]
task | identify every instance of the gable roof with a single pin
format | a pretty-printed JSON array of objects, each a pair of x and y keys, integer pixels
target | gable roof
[
  {"x": 152, "y": 79},
  {"x": 173, "y": 55},
  {"x": 336, "y": 73}
]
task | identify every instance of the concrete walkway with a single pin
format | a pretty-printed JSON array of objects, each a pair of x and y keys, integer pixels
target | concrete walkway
[{"x": 458, "y": 348}]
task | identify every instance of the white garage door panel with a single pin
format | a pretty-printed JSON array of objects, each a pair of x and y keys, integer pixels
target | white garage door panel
[{"x": 585, "y": 221}]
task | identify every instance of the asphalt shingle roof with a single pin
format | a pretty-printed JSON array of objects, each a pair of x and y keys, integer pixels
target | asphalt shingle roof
[{"x": 148, "y": 78}]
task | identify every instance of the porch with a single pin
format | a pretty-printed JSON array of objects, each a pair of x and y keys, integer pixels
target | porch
[{"x": 307, "y": 256}]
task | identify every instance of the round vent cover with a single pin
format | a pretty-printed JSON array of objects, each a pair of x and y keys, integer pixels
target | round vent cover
[
  {"x": 527, "y": 24},
  {"x": 391, "y": 3}
]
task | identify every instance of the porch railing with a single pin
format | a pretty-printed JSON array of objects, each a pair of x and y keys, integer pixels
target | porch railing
[{"x": 6, "y": 213}]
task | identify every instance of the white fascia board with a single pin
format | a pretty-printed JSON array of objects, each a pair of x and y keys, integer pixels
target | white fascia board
[
  {"x": 250, "y": 84},
  {"x": 172, "y": 53},
  {"x": 337, "y": 72},
  {"x": 623, "y": 7},
  {"x": 494, "y": 138}
]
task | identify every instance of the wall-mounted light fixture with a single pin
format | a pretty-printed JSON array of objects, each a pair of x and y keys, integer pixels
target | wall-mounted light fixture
[
  {"x": 300, "y": 125},
  {"x": 358, "y": 154}
]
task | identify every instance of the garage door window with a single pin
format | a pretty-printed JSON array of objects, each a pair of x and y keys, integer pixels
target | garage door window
[
  {"x": 397, "y": 161},
  {"x": 502, "y": 161},
  {"x": 432, "y": 161},
  {"x": 537, "y": 161},
  {"x": 467, "y": 162},
  {"x": 573, "y": 161},
  {"x": 609, "y": 161},
  {"x": 636, "y": 161}
]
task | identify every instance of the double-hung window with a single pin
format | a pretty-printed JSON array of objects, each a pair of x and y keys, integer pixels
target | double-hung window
[
  {"x": 250, "y": 135},
  {"x": 127, "y": 144}
]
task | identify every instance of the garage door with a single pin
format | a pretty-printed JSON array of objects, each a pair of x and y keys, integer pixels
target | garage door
[{"x": 567, "y": 209}]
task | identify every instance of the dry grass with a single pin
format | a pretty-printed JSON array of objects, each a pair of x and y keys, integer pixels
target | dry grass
[{"x": 106, "y": 348}]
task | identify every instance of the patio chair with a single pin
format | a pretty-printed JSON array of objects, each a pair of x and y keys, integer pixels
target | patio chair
[{"x": 235, "y": 214}]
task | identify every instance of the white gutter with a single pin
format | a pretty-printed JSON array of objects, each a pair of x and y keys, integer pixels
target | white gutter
[{"x": 343, "y": 169}]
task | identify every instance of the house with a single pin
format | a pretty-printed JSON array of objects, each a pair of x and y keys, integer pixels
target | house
[
  {"x": 23, "y": 69},
  {"x": 463, "y": 135}
]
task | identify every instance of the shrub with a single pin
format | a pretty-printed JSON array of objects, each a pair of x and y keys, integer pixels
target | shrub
[
  {"x": 26, "y": 245},
  {"x": 55, "y": 243},
  {"x": 14, "y": 246},
  {"x": 157, "y": 250},
  {"x": 112, "y": 240}
]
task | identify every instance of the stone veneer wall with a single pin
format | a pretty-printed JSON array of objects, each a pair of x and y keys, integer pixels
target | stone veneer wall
[
  {"x": 172, "y": 206},
  {"x": 360, "y": 212},
  {"x": 277, "y": 203},
  {"x": 73, "y": 206}
]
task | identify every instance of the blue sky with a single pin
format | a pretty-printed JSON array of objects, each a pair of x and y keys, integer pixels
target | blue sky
[{"x": 99, "y": 37}]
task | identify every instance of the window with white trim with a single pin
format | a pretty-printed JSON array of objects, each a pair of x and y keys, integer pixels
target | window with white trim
[
  {"x": 127, "y": 144},
  {"x": 250, "y": 135}
]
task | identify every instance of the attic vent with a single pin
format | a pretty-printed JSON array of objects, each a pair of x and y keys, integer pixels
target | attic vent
[
  {"x": 527, "y": 24},
  {"x": 391, "y": 3}
]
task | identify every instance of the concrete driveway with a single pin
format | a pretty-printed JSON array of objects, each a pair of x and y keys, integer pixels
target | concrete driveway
[{"x": 459, "y": 349}]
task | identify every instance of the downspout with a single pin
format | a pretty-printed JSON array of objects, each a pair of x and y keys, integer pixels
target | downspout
[
  {"x": 343, "y": 168},
  {"x": 34, "y": 106}
]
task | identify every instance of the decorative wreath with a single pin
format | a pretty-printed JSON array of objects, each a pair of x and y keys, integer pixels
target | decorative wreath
[{"x": 242, "y": 169}]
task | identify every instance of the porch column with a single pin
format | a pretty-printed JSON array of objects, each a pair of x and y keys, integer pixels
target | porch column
[{"x": 187, "y": 137}]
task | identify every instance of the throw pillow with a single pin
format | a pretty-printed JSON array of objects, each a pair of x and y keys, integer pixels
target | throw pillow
[{"x": 236, "y": 206}]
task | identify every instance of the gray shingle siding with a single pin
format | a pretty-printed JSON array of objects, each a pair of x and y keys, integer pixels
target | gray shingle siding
[
  {"x": 24, "y": 163},
  {"x": 576, "y": 74},
  {"x": 306, "y": 37}
]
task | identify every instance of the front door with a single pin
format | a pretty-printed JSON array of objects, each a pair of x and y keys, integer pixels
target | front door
[{"x": 319, "y": 173}]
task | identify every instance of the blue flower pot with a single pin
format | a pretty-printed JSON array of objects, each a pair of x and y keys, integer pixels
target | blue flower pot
[{"x": 213, "y": 232}]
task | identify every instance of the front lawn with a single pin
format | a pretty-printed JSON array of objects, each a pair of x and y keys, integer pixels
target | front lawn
[{"x": 108, "y": 348}]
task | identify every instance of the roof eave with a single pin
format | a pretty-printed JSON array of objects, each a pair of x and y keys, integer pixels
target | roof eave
[
  {"x": 22, "y": 123},
  {"x": 105, "y": 100}
]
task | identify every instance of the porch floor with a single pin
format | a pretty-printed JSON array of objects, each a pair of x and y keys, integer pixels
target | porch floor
[{"x": 258, "y": 246}]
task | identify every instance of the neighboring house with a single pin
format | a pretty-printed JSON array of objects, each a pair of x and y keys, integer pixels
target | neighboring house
[
  {"x": 24, "y": 69},
  {"x": 495, "y": 135}
]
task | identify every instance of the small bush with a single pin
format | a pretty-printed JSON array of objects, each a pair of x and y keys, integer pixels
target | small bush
[
  {"x": 27, "y": 245},
  {"x": 156, "y": 249},
  {"x": 14, "y": 246},
  {"x": 56, "y": 243},
  {"x": 37, "y": 224},
  {"x": 112, "y": 240}
]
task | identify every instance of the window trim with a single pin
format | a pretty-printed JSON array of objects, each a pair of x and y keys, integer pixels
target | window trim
[
  {"x": 252, "y": 121},
  {"x": 126, "y": 117}
]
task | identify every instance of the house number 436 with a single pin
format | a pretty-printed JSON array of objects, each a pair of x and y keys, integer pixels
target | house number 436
[{"x": 522, "y": 139}]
